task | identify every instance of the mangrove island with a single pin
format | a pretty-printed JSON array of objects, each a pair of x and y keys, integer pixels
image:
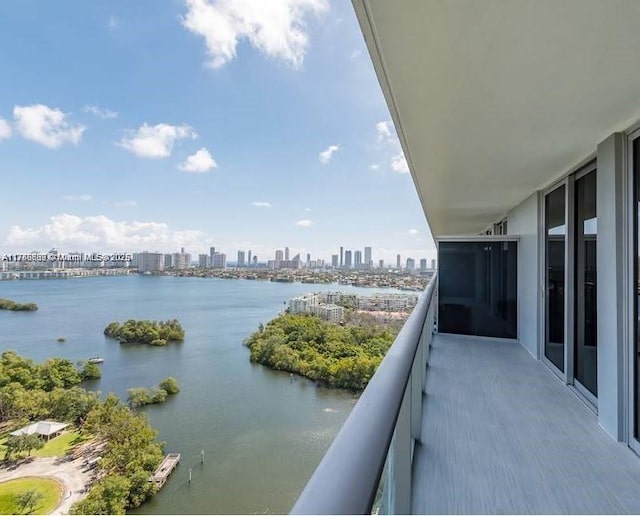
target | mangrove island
[
  {"x": 8, "y": 304},
  {"x": 156, "y": 333}
]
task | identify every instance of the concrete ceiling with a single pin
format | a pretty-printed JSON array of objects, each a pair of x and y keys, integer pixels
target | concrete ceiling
[{"x": 494, "y": 99}]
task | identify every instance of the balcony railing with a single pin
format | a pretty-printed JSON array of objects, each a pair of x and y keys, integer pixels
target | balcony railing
[{"x": 367, "y": 469}]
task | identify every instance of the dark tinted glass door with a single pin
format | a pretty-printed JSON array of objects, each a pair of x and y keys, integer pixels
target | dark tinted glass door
[
  {"x": 635, "y": 288},
  {"x": 555, "y": 237},
  {"x": 585, "y": 367}
]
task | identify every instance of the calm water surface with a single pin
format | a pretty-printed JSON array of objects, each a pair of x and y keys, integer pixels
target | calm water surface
[{"x": 262, "y": 433}]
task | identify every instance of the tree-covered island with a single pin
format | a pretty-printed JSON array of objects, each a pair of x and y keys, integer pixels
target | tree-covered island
[
  {"x": 334, "y": 355},
  {"x": 8, "y": 304},
  {"x": 126, "y": 444},
  {"x": 156, "y": 333}
]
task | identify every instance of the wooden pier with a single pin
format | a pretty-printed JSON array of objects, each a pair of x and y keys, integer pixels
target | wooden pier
[{"x": 164, "y": 470}]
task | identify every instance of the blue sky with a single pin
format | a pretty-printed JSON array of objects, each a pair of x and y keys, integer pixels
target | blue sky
[{"x": 248, "y": 124}]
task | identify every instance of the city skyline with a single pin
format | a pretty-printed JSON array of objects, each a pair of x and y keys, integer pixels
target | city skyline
[{"x": 167, "y": 137}]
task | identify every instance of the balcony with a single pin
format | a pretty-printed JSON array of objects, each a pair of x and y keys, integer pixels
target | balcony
[{"x": 471, "y": 425}]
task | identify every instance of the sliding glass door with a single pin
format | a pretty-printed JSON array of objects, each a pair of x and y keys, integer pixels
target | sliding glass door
[
  {"x": 585, "y": 334},
  {"x": 555, "y": 240},
  {"x": 571, "y": 232}
]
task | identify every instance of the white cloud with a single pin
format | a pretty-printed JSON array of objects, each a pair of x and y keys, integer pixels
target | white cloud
[
  {"x": 304, "y": 223},
  {"x": 113, "y": 23},
  {"x": 201, "y": 161},
  {"x": 386, "y": 135},
  {"x": 46, "y": 126},
  {"x": 125, "y": 204},
  {"x": 101, "y": 233},
  {"x": 155, "y": 141},
  {"x": 307, "y": 209},
  {"x": 374, "y": 166},
  {"x": 399, "y": 164},
  {"x": 413, "y": 231},
  {"x": 261, "y": 204},
  {"x": 105, "y": 114},
  {"x": 326, "y": 155},
  {"x": 355, "y": 54},
  {"x": 384, "y": 131},
  {"x": 5, "y": 129},
  {"x": 275, "y": 27},
  {"x": 83, "y": 197}
]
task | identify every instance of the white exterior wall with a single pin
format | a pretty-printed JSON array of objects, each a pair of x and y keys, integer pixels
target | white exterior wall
[{"x": 523, "y": 221}]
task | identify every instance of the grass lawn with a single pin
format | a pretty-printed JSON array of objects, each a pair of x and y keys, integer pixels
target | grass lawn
[
  {"x": 56, "y": 447},
  {"x": 50, "y": 490}
]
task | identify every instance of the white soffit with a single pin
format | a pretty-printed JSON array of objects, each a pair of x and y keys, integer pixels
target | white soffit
[{"x": 494, "y": 99}]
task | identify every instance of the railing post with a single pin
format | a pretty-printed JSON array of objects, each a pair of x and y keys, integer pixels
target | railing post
[
  {"x": 402, "y": 458},
  {"x": 416, "y": 384}
]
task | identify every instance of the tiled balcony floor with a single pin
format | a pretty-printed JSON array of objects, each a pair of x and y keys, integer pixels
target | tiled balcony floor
[{"x": 502, "y": 434}]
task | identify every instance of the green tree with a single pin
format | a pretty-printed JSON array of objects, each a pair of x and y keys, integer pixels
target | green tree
[
  {"x": 138, "y": 396},
  {"x": 108, "y": 495},
  {"x": 27, "y": 501},
  {"x": 90, "y": 371},
  {"x": 170, "y": 384}
]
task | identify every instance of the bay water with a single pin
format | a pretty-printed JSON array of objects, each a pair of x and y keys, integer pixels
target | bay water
[{"x": 263, "y": 432}]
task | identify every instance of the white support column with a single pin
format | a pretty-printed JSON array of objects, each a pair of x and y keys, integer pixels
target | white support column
[{"x": 610, "y": 284}]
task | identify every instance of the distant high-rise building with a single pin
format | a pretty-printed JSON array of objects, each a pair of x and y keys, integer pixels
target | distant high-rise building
[
  {"x": 433, "y": 264},
  {"x": 423, "y": 264},
  {"x": 381, "y": 264},
  {"x": 286, "y": 253},
  {"x": 219, "y": 261},
  {"x": 334, "y": 260},
  {"x": 150, "y": 262},
  {"x": 367, "y": 257},
  {"x": 203, "y": 261},
  {"x": 212, "y": 251},
  {"x": 255, "y": 259},
  {"x": 279, "y": 255},
  {"x": 398, "y": 264},
  {"x": 411, "y": 264},
  {"x": 341, "y": 256},
  {"x": 181, "y": 260},
  {"x": 240, "y": 261},
  {"x": 249, "y": 257},
  {"x": 168, "y": 260},
  {"x": 357, "y": 259},
  {"x": 347, "y": 259},
  {"x": 308, "y": 258}
]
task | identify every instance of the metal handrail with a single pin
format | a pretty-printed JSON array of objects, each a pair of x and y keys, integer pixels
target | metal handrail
[{"x": 347, "y": 478}]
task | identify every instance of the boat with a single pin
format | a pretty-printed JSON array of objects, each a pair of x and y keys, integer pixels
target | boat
[{"x": 95, "y": 360}]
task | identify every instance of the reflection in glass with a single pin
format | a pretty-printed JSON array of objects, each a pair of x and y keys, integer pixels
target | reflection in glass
[
  {"x": 586, "y": 370},
  {"x": 555, "y": 236}
]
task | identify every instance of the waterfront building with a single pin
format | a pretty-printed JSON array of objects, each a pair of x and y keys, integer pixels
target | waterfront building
[
  {"x": 341, "y": 257},
  {"x": 411, "y": 265},
  {"x": 423, "y": 264},
  {"x": 334, "y": 260},
  {"x": 279, "y": 256},
  {"x": 203, "y": 261},
  {"x": 240, "y": 262},
  {"x": 151, "y": 262},
  {"x": 286, "y": 254},
  {"x": 367, "y": 258},
  {"x": 331, "y": 313},
  {"x": 219, "y": 261},
  {"x": 181, "y": 260},
  {"x": 433, "y": 264},
  {"x": 347, "y": 259},
  {"x": 303, "y": 304},
  {"x": 308, "y": 258},
  {"x": 255, "y": 260},
  {"x": 212, "y": 252},
  {"x": 520, "y": 125},
  {"x": 168, "y": 261},
  {"x": 249, "y": 258},
  {"x": 357, "y": 259},
  {"x": 398, "y": 263},
  {"x": 381, "y": 264}
]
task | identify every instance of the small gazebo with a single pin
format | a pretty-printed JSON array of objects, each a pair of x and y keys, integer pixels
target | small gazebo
[{"x": 44, "y": 429}]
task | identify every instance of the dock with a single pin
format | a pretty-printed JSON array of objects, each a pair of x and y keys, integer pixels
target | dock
[{"x": 164, "y": 470}]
